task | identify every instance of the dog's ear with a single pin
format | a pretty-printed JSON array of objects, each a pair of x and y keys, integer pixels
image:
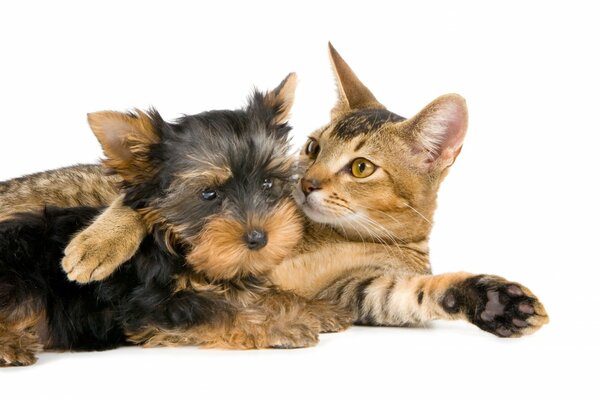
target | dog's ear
[
  {"x": 281, "y": 99},
  {"x": 126, "y": 139},
  {"x": 438, "y": 132},
  {"x": 352, "y": 93}
]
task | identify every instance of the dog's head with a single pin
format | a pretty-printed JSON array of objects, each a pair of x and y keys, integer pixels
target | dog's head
[{"x": 215, "y": 183}]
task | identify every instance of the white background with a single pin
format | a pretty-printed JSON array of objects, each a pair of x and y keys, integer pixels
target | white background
[{"x": 521, "y": 201}]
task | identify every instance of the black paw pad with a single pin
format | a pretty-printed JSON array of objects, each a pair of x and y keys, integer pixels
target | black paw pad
[
  {"x": 514, "y": 290},
  {"x": 450, "y": 302},
  {"x": 494, "y": 305},
  {"x": 526, "y": 308},
  {"x": 520, "y": 323}
]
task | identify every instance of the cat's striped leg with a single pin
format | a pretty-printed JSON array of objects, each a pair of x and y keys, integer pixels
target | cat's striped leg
[{"x": 380, "y": 297}]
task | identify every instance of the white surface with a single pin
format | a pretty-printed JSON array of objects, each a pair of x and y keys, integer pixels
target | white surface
[{"x": 521, "y": 200}]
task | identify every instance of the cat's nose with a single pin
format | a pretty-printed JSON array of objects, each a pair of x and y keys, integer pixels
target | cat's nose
[{"x": 310, "y": 185}]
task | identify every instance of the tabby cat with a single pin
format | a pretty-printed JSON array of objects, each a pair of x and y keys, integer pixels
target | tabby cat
[{"x": 369, "y": 187}]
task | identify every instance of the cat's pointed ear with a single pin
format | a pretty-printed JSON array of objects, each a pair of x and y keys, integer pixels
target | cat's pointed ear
[
  {"x": 352, "y": 93},
  {"x": 281, "y": 99},
  {"x": 438, "y": 131},
  {"x": 125, "y": 139}
]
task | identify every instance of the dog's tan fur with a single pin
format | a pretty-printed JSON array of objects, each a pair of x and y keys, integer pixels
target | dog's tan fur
[
  {"x": 127, "y": 145},
  {"x": 219, "y": 252},
  {"x": 19, "y": 345},
  {"x": 264, "y": 319},
  {"x": 20, "y": 336}
]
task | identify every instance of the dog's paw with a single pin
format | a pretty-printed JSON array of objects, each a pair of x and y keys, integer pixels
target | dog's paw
[
  {"x": 293, "y": 337},
  {"x": 14, "y": 355},
  {"x": 331, "y": 318},
  {"x": 495, "y": 305},
  {"x": 318, "y": 317}
]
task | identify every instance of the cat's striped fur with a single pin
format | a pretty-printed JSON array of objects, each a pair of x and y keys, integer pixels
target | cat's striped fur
[{"x": 379, "y": 268}]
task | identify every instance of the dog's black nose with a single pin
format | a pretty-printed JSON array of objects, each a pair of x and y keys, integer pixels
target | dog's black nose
[
  {"x": 256, "y": 239},
  {"x": 310, "y": 185}
]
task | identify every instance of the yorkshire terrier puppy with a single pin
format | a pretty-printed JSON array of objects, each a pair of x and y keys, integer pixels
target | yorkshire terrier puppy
[{"x": 213, "y": 191}]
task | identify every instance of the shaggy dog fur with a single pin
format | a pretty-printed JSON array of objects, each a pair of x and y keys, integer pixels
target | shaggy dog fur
[{"x": 212, "y": 189}]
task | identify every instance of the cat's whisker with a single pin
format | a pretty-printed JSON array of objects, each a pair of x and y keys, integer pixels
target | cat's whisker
[
  {"x": 360, "y": 225},
  {"x": 402, "y": 243},
  {"x": 383, "y": 229},
  {"x": 418, "y": 213},
  {"x": 385, "y": 214},
  {"x": 385, "y": 244},
  {"x": 360, "y": 235},
  {"x": 398, "y": 242},
  {"x": 347, "y": 211},
  {"x": 357, "y": 230},
  {"x": 395, "y": 241},
  {"x": 361, "y": 219},
  {"x": 396, "y": 220}
]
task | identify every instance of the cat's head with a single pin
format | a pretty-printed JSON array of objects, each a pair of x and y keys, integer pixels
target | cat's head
[{"x": 374, "y": 175}]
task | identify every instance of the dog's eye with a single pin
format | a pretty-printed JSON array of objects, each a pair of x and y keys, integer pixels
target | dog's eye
[
  {"x": 312, "y": 148},
  {"x": 267, "y": 184},
  {"x": 209, "y": 195}
]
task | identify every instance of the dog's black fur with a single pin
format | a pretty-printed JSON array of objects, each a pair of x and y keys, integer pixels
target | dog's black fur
[
  {"x": 92, "y": 316},
  {"x": 142, "y": 292}
]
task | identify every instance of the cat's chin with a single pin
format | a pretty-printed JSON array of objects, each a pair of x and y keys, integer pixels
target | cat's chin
[
  {"x": 315, "y": 215},
  {"x": 312, "y": 209}
]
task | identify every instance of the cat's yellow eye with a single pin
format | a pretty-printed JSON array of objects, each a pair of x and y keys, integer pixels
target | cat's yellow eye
[
  {"x": 362, "y": 168},
  {"x": 312, "y": 148}
]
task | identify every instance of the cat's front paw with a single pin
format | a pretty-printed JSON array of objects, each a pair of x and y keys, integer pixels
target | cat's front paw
[
  {"x": 495, "y": 305},
  {"x": 93, "y": 257}
]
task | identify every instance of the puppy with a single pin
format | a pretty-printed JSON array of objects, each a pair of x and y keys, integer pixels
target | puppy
[{"x": 212, "y": 190}]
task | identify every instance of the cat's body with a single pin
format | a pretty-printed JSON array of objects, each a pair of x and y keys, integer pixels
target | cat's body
[{"x": 369, "y": 192}]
